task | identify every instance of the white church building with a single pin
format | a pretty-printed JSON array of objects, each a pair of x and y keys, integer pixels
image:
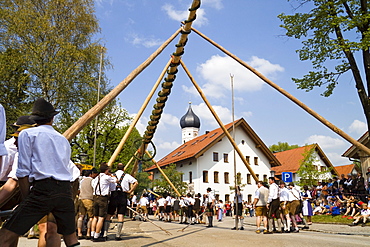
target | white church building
[{"x": 208, "y": 160}]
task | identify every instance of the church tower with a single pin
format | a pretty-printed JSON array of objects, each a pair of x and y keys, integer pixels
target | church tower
[{"x": 190, "y": 125}]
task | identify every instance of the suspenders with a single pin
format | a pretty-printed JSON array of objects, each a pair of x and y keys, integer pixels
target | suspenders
[{"x": 119, "y": 186}]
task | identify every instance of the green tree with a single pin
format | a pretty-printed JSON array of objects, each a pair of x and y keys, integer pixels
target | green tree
[
  {"x": 308, "y": 172},
  {"x": 113, "y": 124},
  {"x": 335, "y": 37},
  {"x": 282, "y": 146},
  {"x": 162, "y": 186},
  {"x": 54, "y": 41},
  {"x": 14, "y": 82}
]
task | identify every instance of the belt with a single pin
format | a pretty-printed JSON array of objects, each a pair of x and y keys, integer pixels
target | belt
[{"x": 101, "y": 196}]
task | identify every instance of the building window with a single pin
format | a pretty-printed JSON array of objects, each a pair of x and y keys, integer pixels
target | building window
[
  {"x": 205, "y": 176},
  {"x": 256, "y": 161},
  {"x": 190, "y": 177},
  {"x": 249, "y": 181},
  {"x": 227, "y": 198},
  {"x": 217, "y": 197},
  {"x": 247, "y": 158},
  {"x": 249, "y": 198},
  {"x": 226, "y": 177},
  {"x": 215, "y": 156},
  {"x": 264, "y": 178},
  {"x": 215, "y": 177},
  {"x": 226, "y": 158},
  {"x": 238, "y": 178}
]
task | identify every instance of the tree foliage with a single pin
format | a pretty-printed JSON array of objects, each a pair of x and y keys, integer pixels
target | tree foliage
[
  {"x": 282, "y": 146},
  {"x": 56, "y": 56},
  {"x": 335, "y": 37},
  {"x": 162, "y": 186},
  {"x": 112, "y": 126},
  {"x": 308, "y": 172}
]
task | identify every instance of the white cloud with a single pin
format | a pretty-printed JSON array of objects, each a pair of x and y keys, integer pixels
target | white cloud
[
  {"x": 147, "y": 42},
  {"x": 206, "y": 117},
  {"x": 182, "y": 15},
  {"x": 216, "y": 72},
  {"x": 358, "y": 127},
  {"x": 217, "y": 4},
  {"x": 168, "y": 146},
  {"x": 247, "y": 114},
  {"x": 326, "y": 142},
  {"x": 337, "y": 160},
  {"x": 170, "y": 119}
]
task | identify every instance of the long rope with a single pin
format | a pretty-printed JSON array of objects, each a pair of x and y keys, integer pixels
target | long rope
[{"x": 168, "y": 82}]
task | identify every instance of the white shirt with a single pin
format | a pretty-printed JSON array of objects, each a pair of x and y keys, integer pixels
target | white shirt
[
  {"x": 161, "y": 202},
  {"x": 43, "y": 153},
  {"x": 7, "y": 161},
  {"x": 273, "y": 192},
  {"x": 2, "y": 131},
  {"x": 240, "y": 198},
  {"x": 104, "y": 180},
  {"x": 127, "y": 180},
  {"x": 284, "y": 194},
  {"x": 294, "y": 194},
  {"x": 143, "y": 201},
  {"x": 189, "y": 201},
  {"x": 210, "y": 198}
]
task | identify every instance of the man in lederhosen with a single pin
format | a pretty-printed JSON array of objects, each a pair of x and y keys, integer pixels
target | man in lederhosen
[{"x": 125, "y": 185}]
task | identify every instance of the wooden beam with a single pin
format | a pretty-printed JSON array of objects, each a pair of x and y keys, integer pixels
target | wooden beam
[{"x": 289, "y": 96}]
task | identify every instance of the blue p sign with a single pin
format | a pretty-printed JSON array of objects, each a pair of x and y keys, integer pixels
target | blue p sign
[{"x": 287, "y": 177}]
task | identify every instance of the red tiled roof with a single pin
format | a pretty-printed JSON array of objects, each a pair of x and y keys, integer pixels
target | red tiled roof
[
  {"x": 346, "y": 169},
  {"x": 291, "y": 159},
  {"x": 197, "y": 146}
]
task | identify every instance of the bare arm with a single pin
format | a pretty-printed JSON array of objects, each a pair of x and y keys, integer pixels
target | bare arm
[
  {"x": 133, "y": 187},
  {"x": 7, "y": 190},
  {"x": 24, "y": 186}
]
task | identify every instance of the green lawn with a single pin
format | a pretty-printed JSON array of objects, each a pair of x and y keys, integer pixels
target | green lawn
[{"x": 331, "y": 219}]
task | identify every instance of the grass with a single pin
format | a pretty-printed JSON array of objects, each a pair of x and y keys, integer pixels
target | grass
[{"x": 331, "y": 219}]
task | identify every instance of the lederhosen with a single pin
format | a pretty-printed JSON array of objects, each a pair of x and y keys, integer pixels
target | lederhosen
[
  {"x": 118, "y": 198},
  {"x": 100, "y": 201}
]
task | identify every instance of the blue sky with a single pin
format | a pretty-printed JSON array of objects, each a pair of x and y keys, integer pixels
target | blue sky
[{"x": 132, "y": 30}]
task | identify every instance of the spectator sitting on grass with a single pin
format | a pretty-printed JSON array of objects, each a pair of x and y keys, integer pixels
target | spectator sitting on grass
[
  {"x": 319, "y": 209},
  {"x": 363, "y": 215},
  {"x": 351, "y": 210}
]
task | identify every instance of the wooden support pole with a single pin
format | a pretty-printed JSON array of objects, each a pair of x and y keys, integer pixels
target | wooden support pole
[
  {"x": 289, "y": 96},
  {"x": 164, "y": 175},
  {"x": 246, "y": 163},
  {"x": 94, "y": 111},
  {"x": 138, "y": 116},
  {"x": 150, "y": 191}
]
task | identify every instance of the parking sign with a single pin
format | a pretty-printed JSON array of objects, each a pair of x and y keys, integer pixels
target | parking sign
[{"x": 287, "y": 177}]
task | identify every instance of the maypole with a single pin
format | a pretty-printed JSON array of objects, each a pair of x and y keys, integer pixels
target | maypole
[{"x": 167, "y": 84}]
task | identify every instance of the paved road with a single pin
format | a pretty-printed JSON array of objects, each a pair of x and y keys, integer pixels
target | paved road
[{"x": 137, "y": 233}]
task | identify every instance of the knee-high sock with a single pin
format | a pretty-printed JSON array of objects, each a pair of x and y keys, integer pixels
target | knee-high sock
[
  {"x": 79, "y": 223},
  {"x": 271, "y": 224},
  {"x": 106, "y": 227},
  {"x": 210, "y": 219},
  {"x": 278, "y": 224},
  {"x": 304, "y": 221},
  {"x": 241, "y": 221},
  {"x": 288, "y": 222},
  {"x": 119, "y": 229},
  {"x": 284, "y": 224}
]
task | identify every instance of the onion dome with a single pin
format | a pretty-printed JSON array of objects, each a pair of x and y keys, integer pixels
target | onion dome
[{"x": 190, "y": 119}]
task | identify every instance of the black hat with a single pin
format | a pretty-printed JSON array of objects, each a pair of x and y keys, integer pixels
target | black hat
[
  {"x": 22, "y": 120},
  {"x": 42, "y": 110},
  {"x": 209, "y": 189}
]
